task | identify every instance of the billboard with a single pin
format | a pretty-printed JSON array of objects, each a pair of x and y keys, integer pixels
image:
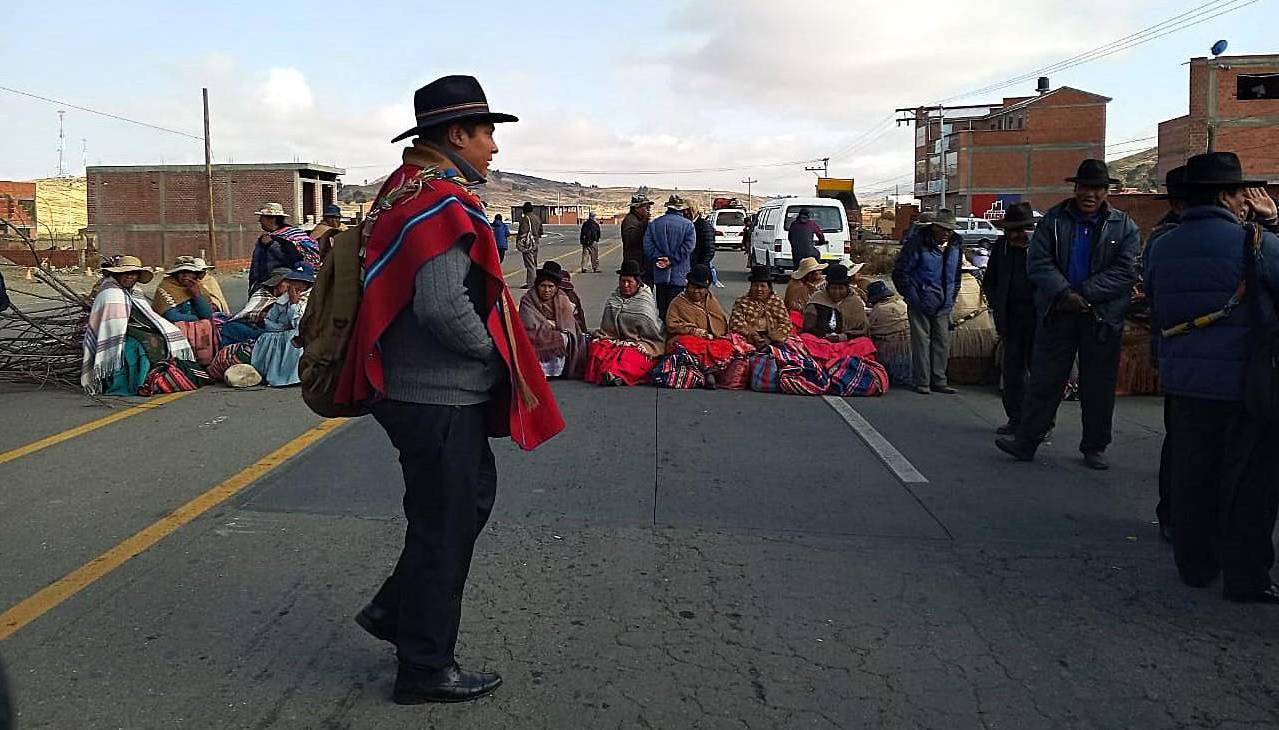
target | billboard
[{"x": 991, "y": 206}]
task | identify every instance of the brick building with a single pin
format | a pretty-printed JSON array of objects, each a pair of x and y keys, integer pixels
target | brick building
[
  {"x": 159, "y": 212},
  {"x": 1022, "y": 148},
  {"x": 18, "y": 206},
  {"x": 1234, "y": 107}
]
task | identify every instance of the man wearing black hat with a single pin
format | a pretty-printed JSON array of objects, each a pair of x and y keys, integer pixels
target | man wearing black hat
[
  {"x": 1174, "y": 183},
  {"x": 1012, "y": 304},
  {"x": 424, "y": 352},
  {"x": 1225, "y": 465},
  {"x": 1082, "y": 264},
  {"x": 527, "y": 238}
]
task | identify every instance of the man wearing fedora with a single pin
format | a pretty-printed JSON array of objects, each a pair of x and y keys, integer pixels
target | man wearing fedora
[
  {"x": 1012, "y": 304},
  {"x": 926, "y": 273},
  {"x": 1225, "y": 464},
  {"x": 669, "y": 242},
  {"x": 441, "y": 359},
  {"x": 634, "y": 225},
  {"x": 329, "y": 226},
  {"x": 1082, "y": 263}
]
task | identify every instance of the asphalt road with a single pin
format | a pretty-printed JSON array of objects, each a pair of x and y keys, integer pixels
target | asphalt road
[{"x": 672, "y": 560}]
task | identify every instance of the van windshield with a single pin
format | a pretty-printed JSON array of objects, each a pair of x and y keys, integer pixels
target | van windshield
[
  {"x": 730, "y": 218},
  {"x": 827, "y": 216}
]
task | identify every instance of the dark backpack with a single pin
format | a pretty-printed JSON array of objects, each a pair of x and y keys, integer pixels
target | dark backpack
[{"x": 325, "y": 330}]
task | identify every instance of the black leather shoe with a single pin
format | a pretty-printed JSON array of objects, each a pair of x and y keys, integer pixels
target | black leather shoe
[
  {"x": 1096, "y": 460},
  {"x": 378, "y": 622},
  {"x": 451, "y": 684},
  {"x": 1269, "y": 595},
  {"x": 1016, "y": 449},
  {"x": 944, "y": 390},
  {"x": 922, "y": 390},
  {"x": 1008, "y": 429}
]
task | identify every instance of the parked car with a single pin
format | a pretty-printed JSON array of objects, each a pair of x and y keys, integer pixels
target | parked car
[
  {"x": 770, "y": 242},
  {"x": 729, "y": 224},
  {"x": 976, "y": 231}
]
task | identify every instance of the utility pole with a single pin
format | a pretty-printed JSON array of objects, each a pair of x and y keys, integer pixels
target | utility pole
[
  {"x": 749, "y": 201},
  {"x": 62, "y": 168},
  {"x": 824, "y": 169},
  {"x": 208, "y": 179},
  {"x": 84, "y": 153},
  {"x": 941, "y": 122}
]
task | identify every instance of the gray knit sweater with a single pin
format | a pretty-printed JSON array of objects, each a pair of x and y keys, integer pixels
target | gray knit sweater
[{"x": 438, "y": 351}]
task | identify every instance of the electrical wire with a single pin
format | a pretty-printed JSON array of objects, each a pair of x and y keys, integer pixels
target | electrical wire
[{"x": 100, "y": 113}]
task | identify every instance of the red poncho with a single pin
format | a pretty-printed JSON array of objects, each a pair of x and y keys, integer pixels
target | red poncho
[{"x": 419, "y": 225}]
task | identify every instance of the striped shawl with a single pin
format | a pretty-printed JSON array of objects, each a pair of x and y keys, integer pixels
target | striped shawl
[{"x": 103, "y": 350}]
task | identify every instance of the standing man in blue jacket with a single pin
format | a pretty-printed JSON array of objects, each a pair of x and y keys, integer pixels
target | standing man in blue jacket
[
  {"x": 1225, "y": 467},
  {"x": 926, "y": 274},
  {"x": 668, "y": 245},
  {"x": 1083, "y": 264},
  {"x": 501, "y": 234}
]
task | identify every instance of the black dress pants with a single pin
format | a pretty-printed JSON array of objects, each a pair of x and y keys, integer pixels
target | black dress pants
[
  {"x": 1058, "y": 341},
  {"x": 1019, "y": 343},
  {"x": 1163, "y": 510},
  {"x": 1225, "y": 493},
  {"x": 666, "y": 294},
  {"x": 450, "y": 482}
]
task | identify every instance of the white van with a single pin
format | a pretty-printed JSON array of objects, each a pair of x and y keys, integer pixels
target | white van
[
  {"x": 976, "y": 231},
  {"x": 729, "y": 224},
  {"x": 770, "y": 242}
]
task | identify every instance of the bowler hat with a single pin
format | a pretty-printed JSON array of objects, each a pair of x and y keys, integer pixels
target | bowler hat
[
  {"x": 700, "y": 275},
  {"x": 1217, "y": 169},
  {"x": 837, "y": 274},
  {"x": 449, "y": 99},
  {"x": 761, "y": 273},
  {"x": 630, "y": 267},
  {"x": 878, "y": 291},
  {"x": 1093, "y": 173},
  {"x": 1020, "y": 217},
  {"x": 1175, "y": 183},
  {"x": 547, "y": 274}
]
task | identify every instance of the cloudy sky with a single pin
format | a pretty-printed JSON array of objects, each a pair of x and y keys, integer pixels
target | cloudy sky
[{"x": 605, "y": 91}]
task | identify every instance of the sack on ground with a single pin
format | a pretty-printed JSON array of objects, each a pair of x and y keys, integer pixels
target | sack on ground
[
  {"x": 678, "y": 370},
  {"x": 736, "y": 375},
  {"x": 166, "y": 377},
  {"x": 765, "y": 377},
  {"x": 799, "y": 374},
  {"x": 857, "y": 376},
  {"x": 241, "y": 353}
]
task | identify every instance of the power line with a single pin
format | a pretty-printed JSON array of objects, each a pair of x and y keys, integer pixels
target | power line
[
  {"x": 1195, "y": 16},
  {"x": 100, "y": 113}
]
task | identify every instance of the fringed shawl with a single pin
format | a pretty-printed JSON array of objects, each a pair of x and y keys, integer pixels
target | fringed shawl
[
  {"x": 545, "y": 336},
  {"x": 634, "y": 319},
  {"x": 103, "y": 350},
  {"x": 171, "y": 294}
]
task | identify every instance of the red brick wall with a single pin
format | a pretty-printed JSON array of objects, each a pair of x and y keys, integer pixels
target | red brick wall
[{"x": 60, "y": 258}]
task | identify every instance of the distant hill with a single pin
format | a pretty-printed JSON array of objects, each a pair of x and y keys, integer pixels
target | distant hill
[
  {"x": 1137, "y": 171},
  {"x": 507, "y": 189}
]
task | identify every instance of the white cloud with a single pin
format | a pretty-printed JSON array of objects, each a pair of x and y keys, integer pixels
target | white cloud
[{"x": 286, "y": 93}]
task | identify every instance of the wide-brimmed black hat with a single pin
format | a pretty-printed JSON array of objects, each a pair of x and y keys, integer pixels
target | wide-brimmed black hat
[
  {"x": 449, "y": 99},
  {"x": 547, "y": 274},
  {"x": 1218, "y": 170},
  {"x": 630, "y": 267},
  {"x": 837, "y": 274},
  {"x": 700, "y": 275},
  {"x": 1093, "y": 173},
  {"x": 1175, "y": 184},
  {"x": 878, "y": 291},
  {"x": 1020, "y": 217},
  {"x": 761, "y": 273}
]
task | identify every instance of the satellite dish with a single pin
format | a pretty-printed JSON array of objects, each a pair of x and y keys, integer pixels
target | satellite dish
[{"x": 1219, "y": 48}]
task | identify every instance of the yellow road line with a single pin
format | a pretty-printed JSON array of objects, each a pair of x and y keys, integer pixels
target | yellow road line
[
  {"x": 604, "y": 253},
  {"x": 77, "y": 580},
  {"x": 71, "y": 433}
]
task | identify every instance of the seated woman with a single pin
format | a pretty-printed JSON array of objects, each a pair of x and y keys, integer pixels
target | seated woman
[
  {"x": 761, "y": 315},
  {"x": 246, "y": 324},
  {"x": 835, "y": 323},
  {"x": 566, "y": 286},
  {"x": 807, "y": 279},
  {"x": 630, "y": 335},
  {"x": 125, "y": 337},
  {"x": 189, "y": 299},
  {"x": 274, "y": 355},
  {"x": 548, "y": 317},
  {"x": 890, "y": 331},
  {"x": 696, "y": 321}
]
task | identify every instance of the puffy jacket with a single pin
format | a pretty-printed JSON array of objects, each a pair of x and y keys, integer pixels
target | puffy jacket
[
  {"x": 1194, "y": 271},
  {"x": 704, "y": 253},
  {"x": 1113, "y": 265},
  {"x": 925, "y": 276},
  {"x": 673, "y": 237}
]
